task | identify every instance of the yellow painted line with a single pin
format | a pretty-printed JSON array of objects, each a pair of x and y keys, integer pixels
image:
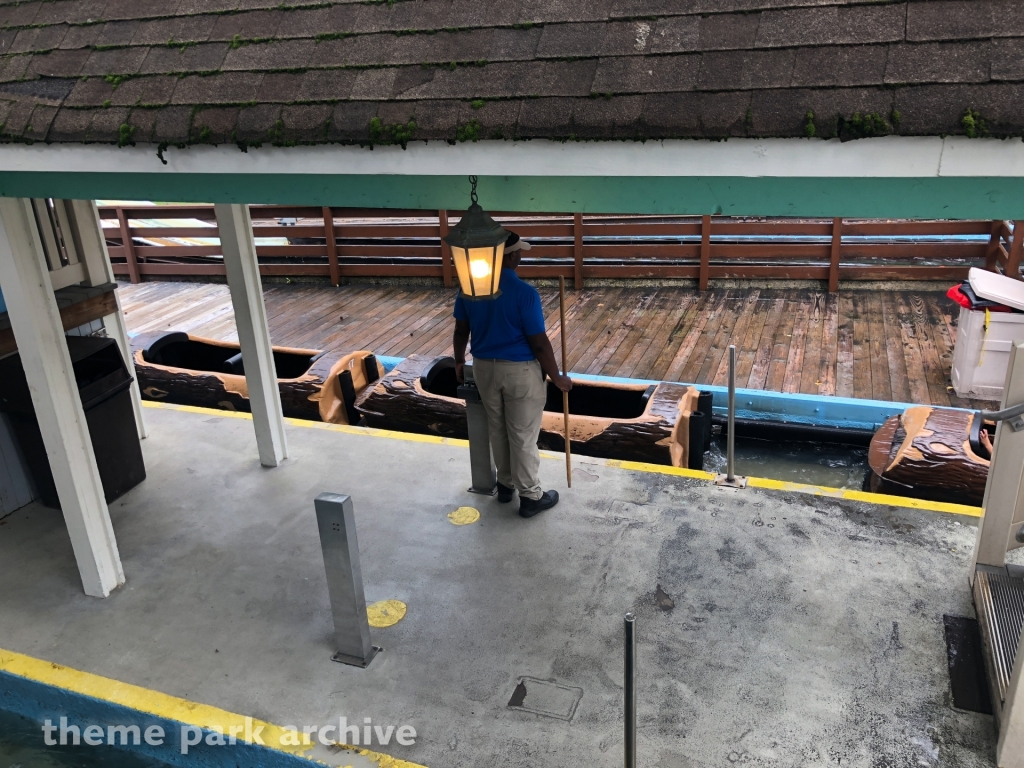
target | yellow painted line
[
  {"x": 343, "y": 428},
  {"x": 162, "y": 705},
  {"x": 642, "y": 466},
  {"x": 196, "y": 409},
  {"x": 632, "y": 466},
  {"x": 814, "y": 490}
]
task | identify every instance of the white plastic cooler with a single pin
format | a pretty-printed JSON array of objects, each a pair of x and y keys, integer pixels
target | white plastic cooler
[{"x": 982, "y": 352}]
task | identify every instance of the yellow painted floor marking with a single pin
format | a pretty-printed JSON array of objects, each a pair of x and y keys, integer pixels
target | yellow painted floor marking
[
  {"x": 168, "y": 707},
  {"x": 814, "y": 490},
  {"x": 464, "y": 516},
  {"x": 385, "y": 613},
  {"x": 632, "y": 466}
]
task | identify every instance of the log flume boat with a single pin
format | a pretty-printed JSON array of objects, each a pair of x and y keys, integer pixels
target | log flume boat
[
  {"x": 924, "y": 452},
  {"x": 659, "y": 423},
  {"x": 190, "y": 370},
  {"x": 940, "y": 454}
]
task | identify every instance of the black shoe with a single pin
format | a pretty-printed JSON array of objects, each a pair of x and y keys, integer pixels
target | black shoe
[
  {"x": 531, "y": 507},
  {"x": 505, "y": 494}
]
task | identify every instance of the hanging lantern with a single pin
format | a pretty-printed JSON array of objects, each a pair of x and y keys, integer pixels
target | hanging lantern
[{"x": 478, "y": 246}]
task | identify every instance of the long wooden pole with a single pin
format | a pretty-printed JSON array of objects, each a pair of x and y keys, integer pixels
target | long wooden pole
[{"x": 565, "y": 371}]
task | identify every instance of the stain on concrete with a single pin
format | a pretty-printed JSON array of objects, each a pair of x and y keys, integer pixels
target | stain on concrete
[
  {"x": 731, "y": 553},
  {"x": 579, "y": 473},
  {"x": 665, "y": 601},
  {"x": 797, "y": 531}
]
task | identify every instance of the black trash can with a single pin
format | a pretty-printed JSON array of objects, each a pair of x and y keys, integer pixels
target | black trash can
[{"x": 103, "y": 385}]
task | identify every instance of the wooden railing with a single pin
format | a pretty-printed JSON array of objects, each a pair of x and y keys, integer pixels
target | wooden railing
[{"x": 343, "y": 242}]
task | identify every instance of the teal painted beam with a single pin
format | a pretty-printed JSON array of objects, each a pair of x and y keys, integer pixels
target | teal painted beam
[{"x": 899, "y": 197}]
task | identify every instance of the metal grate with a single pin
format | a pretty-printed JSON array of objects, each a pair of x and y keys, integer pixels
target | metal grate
[
  {"x": 999, "y": 601},
  {"x": 543, "y": 697}
]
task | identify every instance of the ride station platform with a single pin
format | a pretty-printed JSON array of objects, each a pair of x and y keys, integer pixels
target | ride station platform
[{"x": 777, "y": 625}]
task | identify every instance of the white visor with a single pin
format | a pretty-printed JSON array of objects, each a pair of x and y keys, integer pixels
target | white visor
[{"x": 521, "y": 245}]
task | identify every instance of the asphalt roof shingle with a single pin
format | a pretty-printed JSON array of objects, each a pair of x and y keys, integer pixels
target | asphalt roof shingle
[{"x": 253, "y": 71}]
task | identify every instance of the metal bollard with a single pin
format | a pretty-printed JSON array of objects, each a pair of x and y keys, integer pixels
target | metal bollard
[
  {"x": 335, "y": 516},
  {"x": 729, "y": 478},
  {"x": 481, "y": 463},
  {"x": 629, "y": 688}
]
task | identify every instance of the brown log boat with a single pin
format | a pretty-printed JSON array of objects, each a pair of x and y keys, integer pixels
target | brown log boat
[
  {"x": 660, "y": 423},
  {"x": 190, "y": 370},
  {"x": 939, "y": 454}
]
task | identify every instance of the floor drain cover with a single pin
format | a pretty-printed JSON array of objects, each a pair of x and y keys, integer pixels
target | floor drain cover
[
  {"x": 966, "y": 665},
  {"x": 545, "y": 698}
]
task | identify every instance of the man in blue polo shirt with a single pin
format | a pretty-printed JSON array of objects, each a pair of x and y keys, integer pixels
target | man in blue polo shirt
[{"x": 511, "y": 354}]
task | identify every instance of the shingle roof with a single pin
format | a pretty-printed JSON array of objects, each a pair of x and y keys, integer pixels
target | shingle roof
[{"x": 259, "y": 71}]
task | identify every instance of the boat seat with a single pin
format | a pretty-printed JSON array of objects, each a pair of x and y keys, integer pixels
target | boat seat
[
  {"x": 370, "y": 369},
  {"x": 648, "y": 394},
  {"x": 441, "y": 366},
  {"x": 151, "y": 354},
  {"x": 234, "y": 365}
]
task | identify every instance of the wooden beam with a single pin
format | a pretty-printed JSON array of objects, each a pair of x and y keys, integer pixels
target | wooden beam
[
  {"x": 95, "y": 308},
  {"x": 128, "y": 245},
  {"x": 243, "y": 273},
  {"x": 332, "y": 246},
  {"x": 446, "y": 251},
  {"x": 837, "y": 245},
  {"x": 705, "y": 252},
  {"x": 992, "y": 249},
  {"x": 577, "y": 236},
  {"x": 32, "y": 309}
]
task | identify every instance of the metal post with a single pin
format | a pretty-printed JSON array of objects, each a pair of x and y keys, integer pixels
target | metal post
[
  {"x": 729, "y": 478},
  {"x": 629, "y": 688},
  {"x": 481, "y": 463},
  {"x": 731, "y": 437},
  {"x": 335, "y": 516}
]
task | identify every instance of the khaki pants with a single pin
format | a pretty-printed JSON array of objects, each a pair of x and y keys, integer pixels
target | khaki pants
[{"x": 513, "y": 395}]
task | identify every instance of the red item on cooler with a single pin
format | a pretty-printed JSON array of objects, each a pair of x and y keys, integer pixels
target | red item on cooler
[
  {"x": 967, "y": 300},
  {"x": 958, "y": 296}
]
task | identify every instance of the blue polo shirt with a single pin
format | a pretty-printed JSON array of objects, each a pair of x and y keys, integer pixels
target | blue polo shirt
[{"x": 498, "y": 327}]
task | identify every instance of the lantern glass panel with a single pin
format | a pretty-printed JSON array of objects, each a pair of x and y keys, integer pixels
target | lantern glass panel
[{"x": 479, "y": 269}]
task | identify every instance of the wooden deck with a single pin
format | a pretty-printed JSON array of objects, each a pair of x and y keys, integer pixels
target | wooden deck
[{"x": 884, "y": 346}]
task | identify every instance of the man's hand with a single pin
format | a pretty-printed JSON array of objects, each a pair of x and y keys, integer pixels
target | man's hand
[
  {"x": 986, "y": 440},
  {"x": 460, "y": 373},
  {"x": 541, "y": 346}
]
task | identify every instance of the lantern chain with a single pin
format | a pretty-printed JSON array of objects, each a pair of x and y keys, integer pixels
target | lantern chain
[{"x": 472, "y": 194}]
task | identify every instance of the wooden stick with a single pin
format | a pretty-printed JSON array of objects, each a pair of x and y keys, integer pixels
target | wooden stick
[{"x": 565, "y": 371}]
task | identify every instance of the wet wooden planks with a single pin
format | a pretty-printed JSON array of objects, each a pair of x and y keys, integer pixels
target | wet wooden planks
[{"x": 878, "y": 345}]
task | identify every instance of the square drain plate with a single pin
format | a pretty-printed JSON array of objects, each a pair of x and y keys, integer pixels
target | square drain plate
[{"x": 543, "y": 697}]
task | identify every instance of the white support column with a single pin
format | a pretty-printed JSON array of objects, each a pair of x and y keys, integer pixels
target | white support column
[
  {"x": 39, "y": 333},
  {"x": 96, "y": 257},
  {"x": 1004, "y": 492},
  {"x": 253, "y": 332}
]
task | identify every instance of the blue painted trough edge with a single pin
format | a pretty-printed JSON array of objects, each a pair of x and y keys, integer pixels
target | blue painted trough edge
[{"x": 39, "y": 701}]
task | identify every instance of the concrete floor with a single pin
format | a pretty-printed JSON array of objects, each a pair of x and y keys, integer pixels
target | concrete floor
[{"x": 804, "y": 632}]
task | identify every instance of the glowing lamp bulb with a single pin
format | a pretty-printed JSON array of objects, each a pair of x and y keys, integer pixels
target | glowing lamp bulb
[{"x": 479, "y": 269}]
